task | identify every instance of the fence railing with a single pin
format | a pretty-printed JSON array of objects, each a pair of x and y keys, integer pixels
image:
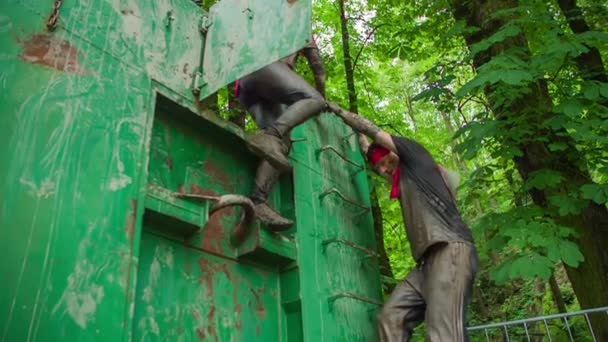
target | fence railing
[{"x": 571, "y": 326}]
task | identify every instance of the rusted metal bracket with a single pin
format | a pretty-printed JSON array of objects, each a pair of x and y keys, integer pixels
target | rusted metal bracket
[
  {"x": 169, "y": 19},
  {"x": 243, "y": 229},
  {"x": 345, "y": 199},
  {"x": 51, "y": 21},
  {"x": 198, "y": 79},
  {"x": 331, "y": 300},
  {"x": 333, "y": 149},
  {"x": 370, "y": 253}
]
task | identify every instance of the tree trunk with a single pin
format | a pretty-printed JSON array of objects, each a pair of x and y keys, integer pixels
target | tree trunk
[
  {"x": 590, "y": 63},
  {"x": 410, "y": 110},
  {"x": 557, "y": 295},
  {"x": 348, "y": 65},
  {"x": 385, "y": 266},
  {"x": 533, "y": 108},
  {"x": 537, "y": 308}
]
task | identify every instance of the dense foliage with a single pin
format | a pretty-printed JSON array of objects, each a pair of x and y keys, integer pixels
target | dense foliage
[{"x": 482, "y": 99}]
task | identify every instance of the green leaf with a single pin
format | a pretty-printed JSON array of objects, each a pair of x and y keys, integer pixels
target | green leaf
[
  {"x": 431, "y": 93},
  {"x": 516, "y": 77},
  {"x": 502, "y": 273},
  {"x": 567, "y": 205},
  {"x": 604, "y": 90},
  {"x": 592, "y": 92},
  {"x": 502, "y": 34},
  {"x": 557, "y": 146},
  {"x": 595, "y": 192},
  {"x": 531, "y": 266},
  {"x": 538, "y": 265},
  {"x": 570, "y": 253},
  {"x": 553, "y": 252},
  {"x": 564, "y": 250},
  {"x": 543, "y": 179},
  {"x": 570, "y": 107},
  {"x": 565, "y": 232}
]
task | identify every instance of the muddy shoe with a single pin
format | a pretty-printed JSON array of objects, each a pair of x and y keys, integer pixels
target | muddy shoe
[
  {"x": 270, "y": 148},
  {"x": 275, "y": 222}
]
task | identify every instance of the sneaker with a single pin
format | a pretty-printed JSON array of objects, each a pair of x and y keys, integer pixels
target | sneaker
[
  {"x": 271, "y": 148},
  {"x": 275, "y": 222}
]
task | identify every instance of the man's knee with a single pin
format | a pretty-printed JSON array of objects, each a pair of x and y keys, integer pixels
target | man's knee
[
  {"x": 319, "y": 102},
  {"x": 383, "y": 316}
]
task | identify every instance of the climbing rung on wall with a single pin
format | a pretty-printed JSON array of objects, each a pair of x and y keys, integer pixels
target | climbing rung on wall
[
  {"x": 369, "y": 252},
  {"x": 335, "y": 150},
  {"x": 331, "y": 300},
  {"x": 344, "y": 198}
]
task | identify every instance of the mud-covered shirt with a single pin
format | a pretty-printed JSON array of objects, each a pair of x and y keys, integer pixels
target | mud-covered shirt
[{"x": 429, "y": 212}]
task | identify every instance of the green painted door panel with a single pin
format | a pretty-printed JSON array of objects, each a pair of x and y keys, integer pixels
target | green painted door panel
[
  {"x": 188, "y": 155},
  {"x": 245, "y": 35},
  {"x": 184, "y": 294},
  {"x": 161, "y": 38},
  {"x": 73, "y": 124}
]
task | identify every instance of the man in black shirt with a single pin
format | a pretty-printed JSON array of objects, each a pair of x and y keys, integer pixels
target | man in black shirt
[{"x": 438, "y": 289}]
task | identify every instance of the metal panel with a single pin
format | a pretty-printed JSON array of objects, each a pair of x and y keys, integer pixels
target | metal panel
[
  {"x": 245, "y": 35},
  {"x": 161, "y": 38},
  {"x": 340, "y": 286},
  {"x": 201, "y": 285},
  {"x": 92, "y": 156},
  {"x": 187, "y": 295},
  {"x": 73, "y": 125}
]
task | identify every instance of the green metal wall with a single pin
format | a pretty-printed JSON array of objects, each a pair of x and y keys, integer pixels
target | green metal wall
[{"x": 100, "y": 133}]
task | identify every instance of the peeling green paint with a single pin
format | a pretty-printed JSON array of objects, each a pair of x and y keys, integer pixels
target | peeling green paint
[{"x": 100, "y": 129}]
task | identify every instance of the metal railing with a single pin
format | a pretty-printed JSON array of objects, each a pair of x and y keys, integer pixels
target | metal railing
[{"x": 571, "y": 326}]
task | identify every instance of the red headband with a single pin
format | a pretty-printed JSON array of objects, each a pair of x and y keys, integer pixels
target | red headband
[{"x": 377, "y": 154}]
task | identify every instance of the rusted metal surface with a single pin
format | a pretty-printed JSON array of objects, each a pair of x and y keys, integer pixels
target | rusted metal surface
[
  {"x": 51, "y": 51},
  {"x": 232, "y": 303}
]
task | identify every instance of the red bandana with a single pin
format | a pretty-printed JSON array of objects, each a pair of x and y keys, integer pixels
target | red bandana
[
  {"x": 237, "y": 88},
  {"x": 395, "y": 185},
  {"x": 375, "y": 157}
]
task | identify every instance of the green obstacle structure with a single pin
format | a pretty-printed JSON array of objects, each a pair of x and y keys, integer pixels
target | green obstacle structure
[{"x": 110, "y": 170}]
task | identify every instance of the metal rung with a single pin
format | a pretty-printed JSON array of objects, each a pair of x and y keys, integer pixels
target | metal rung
[
  {"x": 337, "y": 192},
  {"x": 333, "y": 149},
  {"x": 367, "y": 251},
  {"x": 243, "y": 228},
  {"x": 337, "y": 296},
  {"x": 346, "y": 137}
]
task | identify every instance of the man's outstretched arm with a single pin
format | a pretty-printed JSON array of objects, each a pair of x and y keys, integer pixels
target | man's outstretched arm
[{"x": 365, "y": 127}]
